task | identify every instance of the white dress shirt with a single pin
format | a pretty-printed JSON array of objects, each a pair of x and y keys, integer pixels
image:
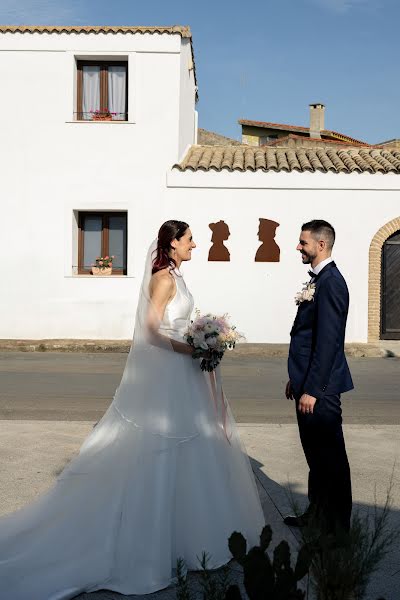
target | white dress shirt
[{"x": 317, "y": 270}]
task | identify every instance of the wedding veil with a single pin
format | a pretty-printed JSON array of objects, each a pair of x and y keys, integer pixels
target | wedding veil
[{"x": 147, "y": 395}]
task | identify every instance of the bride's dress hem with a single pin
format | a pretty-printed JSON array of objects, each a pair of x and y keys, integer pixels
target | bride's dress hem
[{"x": 157, "y": 587}]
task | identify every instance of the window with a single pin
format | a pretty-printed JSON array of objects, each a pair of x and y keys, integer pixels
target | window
[
  {"x": 102, "y": 91},
  {"x": 102, "y": 234},
  {"x": 264, "y": 139}
]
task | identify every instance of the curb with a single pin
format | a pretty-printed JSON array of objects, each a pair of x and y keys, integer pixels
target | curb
[{"x": 376, "y": 350}]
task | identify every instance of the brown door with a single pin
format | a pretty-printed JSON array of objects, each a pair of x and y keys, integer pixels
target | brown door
[{"x": 391, "y": 288}]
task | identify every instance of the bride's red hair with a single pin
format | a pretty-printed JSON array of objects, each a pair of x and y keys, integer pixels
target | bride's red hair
[{"x": 170, "y": 230}]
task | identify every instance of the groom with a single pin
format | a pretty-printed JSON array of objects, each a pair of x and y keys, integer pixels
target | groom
[{"x": 318, "y": 374}]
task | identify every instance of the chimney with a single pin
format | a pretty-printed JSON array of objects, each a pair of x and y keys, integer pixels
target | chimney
[{"x": 317, "y": 118}]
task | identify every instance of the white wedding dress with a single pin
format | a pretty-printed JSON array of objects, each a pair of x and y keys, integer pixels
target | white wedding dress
[{"x": 160, "y": 477}]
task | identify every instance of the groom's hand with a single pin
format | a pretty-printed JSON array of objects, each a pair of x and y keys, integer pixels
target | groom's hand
[
  {"x": 289, "y": 391},
  {"x": 306, "y": 404}
]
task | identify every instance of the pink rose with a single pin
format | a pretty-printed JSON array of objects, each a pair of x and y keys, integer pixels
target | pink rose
[
  {"x": 101, "y": 262},
  {"x": 105, "y": 258}
]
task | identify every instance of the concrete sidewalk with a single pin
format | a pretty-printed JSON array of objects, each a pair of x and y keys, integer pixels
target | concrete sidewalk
[{"x": 33, "y": 453}]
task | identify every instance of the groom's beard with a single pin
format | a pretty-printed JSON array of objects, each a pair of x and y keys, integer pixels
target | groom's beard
[{"x": 307, "y": 258}]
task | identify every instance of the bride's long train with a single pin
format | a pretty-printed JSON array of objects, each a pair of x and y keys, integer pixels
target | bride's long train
[{"x": 140, "y": 494}]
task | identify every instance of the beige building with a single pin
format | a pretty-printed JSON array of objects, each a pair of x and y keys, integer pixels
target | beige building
[
  {"x": 264, "y": 133},
  {"x": 390, "y": 144}
]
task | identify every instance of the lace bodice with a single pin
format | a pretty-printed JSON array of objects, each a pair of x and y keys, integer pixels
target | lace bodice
[{"x": 178, "y": 311}]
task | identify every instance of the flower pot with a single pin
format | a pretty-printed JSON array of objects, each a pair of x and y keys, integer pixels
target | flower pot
[
  {"x": 101, "y": 117},
  {"x": 101, "y": 271}
]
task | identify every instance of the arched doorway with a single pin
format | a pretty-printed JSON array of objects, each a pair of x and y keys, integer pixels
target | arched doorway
[
  {"x": 383, "y": 284},
  {"x": 390, "y": 318}
]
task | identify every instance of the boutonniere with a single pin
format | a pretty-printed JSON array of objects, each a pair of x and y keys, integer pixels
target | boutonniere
[{"x": 306, "y": 294}]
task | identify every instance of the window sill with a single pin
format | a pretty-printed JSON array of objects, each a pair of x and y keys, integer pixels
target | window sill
[{"x": 101, "y": 122}]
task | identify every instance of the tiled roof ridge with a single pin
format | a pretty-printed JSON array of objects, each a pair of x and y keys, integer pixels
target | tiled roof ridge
[
  {"x": 266, "y": 158},
  {"x": 343, "y": 135},
  {"x": 183, "y": 30},
  {"x": 271, "y": 125},
  {"x": 293, "y": 136}
]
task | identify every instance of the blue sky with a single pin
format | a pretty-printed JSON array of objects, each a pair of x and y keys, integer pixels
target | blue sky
[{"x": 267, "y": 60}]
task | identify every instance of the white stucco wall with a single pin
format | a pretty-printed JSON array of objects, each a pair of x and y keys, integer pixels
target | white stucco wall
[
  {"x": 259, "y": 296},
  {"x": 52, "y": 166}
]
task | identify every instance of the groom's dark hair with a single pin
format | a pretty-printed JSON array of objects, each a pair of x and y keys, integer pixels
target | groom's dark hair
[{"x": 321, "y": 230}]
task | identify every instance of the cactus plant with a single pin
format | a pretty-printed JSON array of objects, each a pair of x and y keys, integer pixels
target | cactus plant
[{"x": 263, "y": 579}]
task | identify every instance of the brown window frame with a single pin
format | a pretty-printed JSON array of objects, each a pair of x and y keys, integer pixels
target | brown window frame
[
  {"x": 104, "y": 238},
  {"x": 103, "y": 64}
]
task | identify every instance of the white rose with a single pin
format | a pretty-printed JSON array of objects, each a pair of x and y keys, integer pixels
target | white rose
[
  {"x": 199, "y": 339},
  {"x": 212, "y": 342},
  {"x": 299, "y": 297},
  {"x": 308, "y": 294}
]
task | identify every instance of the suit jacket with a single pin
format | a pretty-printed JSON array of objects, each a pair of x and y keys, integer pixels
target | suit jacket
[{"x": 317, "y": 364}]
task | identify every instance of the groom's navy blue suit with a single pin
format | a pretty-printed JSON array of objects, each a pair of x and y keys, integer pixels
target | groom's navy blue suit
[{"x": 317, "y": 366}]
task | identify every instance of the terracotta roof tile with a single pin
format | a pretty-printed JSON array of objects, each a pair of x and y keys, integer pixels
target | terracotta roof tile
[
  {"x": 316, "y": 141},
  {"x": 270, "y": 125},
  {"x": 309, "y": 161},
  {"x": 182, "y": 30},
  {"x": 267, "y": 158}
]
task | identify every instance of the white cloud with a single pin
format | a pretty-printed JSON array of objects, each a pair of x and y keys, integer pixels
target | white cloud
[
  {"x": 342, "y": 6},
  {"x": 39, "y": 12}
]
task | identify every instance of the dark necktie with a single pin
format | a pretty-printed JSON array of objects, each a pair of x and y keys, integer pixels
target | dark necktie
[{"x": 311, "y": 274}]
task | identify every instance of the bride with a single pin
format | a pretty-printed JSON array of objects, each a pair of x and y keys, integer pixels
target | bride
[{"x": 161, "y": 476}]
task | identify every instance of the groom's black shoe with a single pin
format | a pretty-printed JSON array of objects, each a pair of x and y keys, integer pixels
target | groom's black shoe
[{"x": 300, "y": 521}]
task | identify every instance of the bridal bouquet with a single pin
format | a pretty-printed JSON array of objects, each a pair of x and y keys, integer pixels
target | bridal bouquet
[{"x": 210, "y": 336}]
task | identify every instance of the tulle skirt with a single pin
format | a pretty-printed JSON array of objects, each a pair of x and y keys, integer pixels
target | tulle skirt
[{"x": 161, "y": 477}]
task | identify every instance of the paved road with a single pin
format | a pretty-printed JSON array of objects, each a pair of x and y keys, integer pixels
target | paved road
[{"x": 79, "y": 387}]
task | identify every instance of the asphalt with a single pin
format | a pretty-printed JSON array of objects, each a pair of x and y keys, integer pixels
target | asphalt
[
  {"x": 49, "y": 403},
  {"x": 79, "y": 387}
]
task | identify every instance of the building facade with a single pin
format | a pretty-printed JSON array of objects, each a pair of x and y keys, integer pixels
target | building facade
[
  {"x": 66, "y": 175},
  {"x": 100, "y": 149}
]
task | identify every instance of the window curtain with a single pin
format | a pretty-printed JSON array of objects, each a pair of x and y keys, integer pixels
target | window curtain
[
  {"x": 90, "y": 90},
  {"x": 92, "y": 227},
  {"x": 117, "y": 240},
  {"x": 117, "y": 92}
]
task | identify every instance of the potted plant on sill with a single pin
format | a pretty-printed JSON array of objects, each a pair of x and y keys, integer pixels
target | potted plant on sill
[
  {"x": 102, "y": 114},
  {"x": 103, "y": 265}
]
